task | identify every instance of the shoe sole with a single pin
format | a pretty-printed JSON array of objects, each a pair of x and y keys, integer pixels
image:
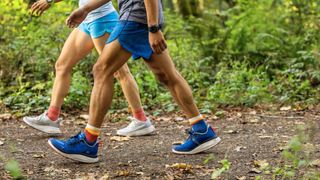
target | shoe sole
[
  {"x": 76, "y": 157},
  {"x": 140, "y": 132},
  {"x": 45, "y": 129},
  {"x": 203, "y": 147}
]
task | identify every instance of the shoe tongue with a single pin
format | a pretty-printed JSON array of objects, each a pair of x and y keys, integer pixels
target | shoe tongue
[{"x": 82, "y": 135}]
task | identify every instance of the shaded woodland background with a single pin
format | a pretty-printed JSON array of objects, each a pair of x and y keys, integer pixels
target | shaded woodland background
[{"x": 232, "y": 52}]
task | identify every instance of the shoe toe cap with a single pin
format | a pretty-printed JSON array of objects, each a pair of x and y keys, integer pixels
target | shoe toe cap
[{"x": 57, "y": 143}]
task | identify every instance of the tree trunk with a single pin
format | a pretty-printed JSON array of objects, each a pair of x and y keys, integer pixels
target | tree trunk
[
  {"x": 190, "y": 7},
  {"x": 168, "y": 4},
  {"x": 184, "y": 7},
  {"x": 195, "y": 7}
]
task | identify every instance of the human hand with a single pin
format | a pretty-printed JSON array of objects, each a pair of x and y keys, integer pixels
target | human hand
[
  {"x": 76, "y": 17},
  {"x": 39, "y": 7},
  {"x": 157, "y": 42}
]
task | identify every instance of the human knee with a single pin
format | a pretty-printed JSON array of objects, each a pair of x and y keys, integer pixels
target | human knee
[
  {"x": 98, "y": 71},
  {"x": 62, "y": 67}
]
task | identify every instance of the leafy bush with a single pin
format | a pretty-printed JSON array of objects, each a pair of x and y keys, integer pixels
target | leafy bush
[{"x": 240, "y": 53}]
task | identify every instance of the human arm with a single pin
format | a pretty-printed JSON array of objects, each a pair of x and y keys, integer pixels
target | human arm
[
  {"x": 156, "y": 39},
  {"x": 78, "y": 15},
  {"x": 40, "y": 6}
]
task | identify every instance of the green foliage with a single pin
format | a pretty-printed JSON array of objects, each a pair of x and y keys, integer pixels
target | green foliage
[
  {"x": 79, "y": 91},
  {"x": 225, "y": 167},
  {"x": 297, "y": 162},
  {"x": 235, "y": 53},
  {"x": 13, "y": 167},
  {"x": 239, "y": 85}
]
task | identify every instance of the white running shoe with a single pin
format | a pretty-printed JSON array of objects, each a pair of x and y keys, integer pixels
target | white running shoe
[
  {"x": 43, "y": 123},
  {"x": 137, "y": 128}
]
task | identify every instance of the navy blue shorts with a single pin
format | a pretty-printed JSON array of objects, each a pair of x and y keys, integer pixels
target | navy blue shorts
[{"x": 133, "y": 37}]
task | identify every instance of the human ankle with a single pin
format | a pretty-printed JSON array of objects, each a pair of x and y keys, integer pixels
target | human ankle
[
  {"x": 91, "y": 133},
  {"x": 139, "y": 114},
  {"x": 53, "y": 113}
]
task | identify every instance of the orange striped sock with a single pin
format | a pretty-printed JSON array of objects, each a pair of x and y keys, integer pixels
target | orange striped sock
[
  {"x": 196, "y": 119},
  {"x": 91, "y": 133}
]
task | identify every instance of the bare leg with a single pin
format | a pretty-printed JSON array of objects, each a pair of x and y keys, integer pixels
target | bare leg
[
  {"x": 165, "y": 71},
  {"x": 77, "y": 46},
  {"x": 127, "y": 81},
  {"x": 129, "y": 87},
  {"x": 112, "y": 58}
]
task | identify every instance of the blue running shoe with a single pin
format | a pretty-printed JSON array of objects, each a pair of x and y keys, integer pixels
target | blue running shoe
[
  {"x": 197, "y": 142},
  {"x": 76, "y": 148}
]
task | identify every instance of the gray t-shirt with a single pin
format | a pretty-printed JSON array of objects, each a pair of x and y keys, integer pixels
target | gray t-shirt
[{"x": 135, "y": 10}]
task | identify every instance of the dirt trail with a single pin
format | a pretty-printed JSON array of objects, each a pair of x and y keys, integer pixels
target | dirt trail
[{"x": 246, "y": 136}]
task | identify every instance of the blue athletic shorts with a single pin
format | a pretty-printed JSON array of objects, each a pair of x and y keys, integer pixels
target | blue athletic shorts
[
  {"x": 100, "y": 26},
  {"x": 133, "y": 37}
]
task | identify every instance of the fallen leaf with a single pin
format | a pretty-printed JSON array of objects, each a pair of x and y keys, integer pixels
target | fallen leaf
[
  {"x": 5, "y": 116},
  {"x": 139, "y": 173},
  {"x": 285, "y": 108},
  {"x": 239, "y": 114},
  {"x": 122, "y": 173},
  {"x": 169, "y": 176},
  {"x": 241, "y": 178},
  {"x": 22, "y": 126},
  {"x": 230, "y": 132},
  {"x": 179, "y": 119},
  {"x": 299, "y": 123},
  {"x": 49, "y": 169},
  {"x": 181, "y": 166},
  {"x": 84, "y": 116},
  {"x": 238, "y": 148},
  {"x": 89, "y": 176},
  {"x": 38, "y": 155},
  {"x": 214, "y": 117},
  {"x": 262, "y": 164},
  {"x": 119, "y": 138},
  {"x": 199, "y": 167},
  {"x": 165, "y": 118},
  {"x": 315, "y": 163},
  {"x": 220, "y": 113},
  {"x": 255, "y": 120},
  {"x": 105, "y": 177},
  {"x": 255, "y": 170}
]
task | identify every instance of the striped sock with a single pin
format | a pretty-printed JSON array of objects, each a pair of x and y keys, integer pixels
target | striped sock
[
  {"x": 196, "y": 119},
  {"x": 53, "y": 113},
  {"x": 91, "y": 133},
  {"x": 139, "y": 114}
]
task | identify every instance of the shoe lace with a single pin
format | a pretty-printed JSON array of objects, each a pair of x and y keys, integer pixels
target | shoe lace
[
  {"x": 41, "y": 116},
  {"x": 133, "y": 121},
  {"x": 74, "y": 139},
  {"x": 191, "y": 132}
]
